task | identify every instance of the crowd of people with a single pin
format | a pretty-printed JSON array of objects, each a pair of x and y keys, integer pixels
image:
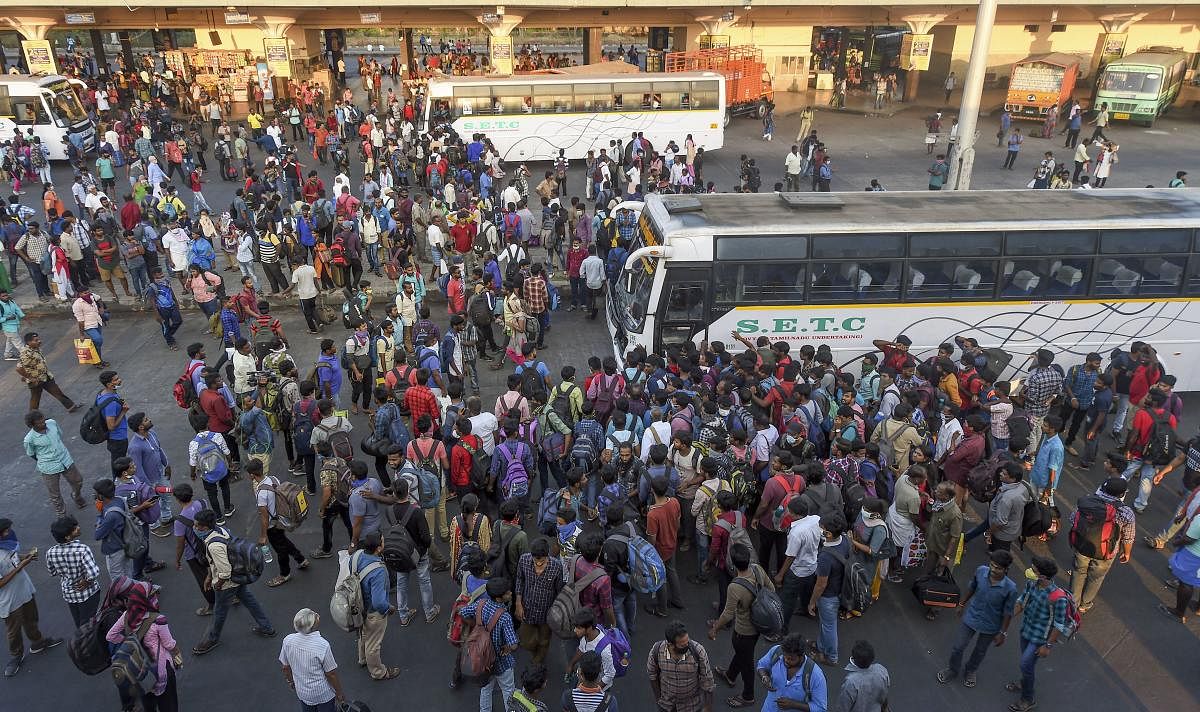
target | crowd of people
[{"x": 784, "y": 485}]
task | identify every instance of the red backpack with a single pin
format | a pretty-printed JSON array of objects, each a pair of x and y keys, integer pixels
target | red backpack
[
  {"x": 185, "y": 388},
  {"x": 1094, "y": 529},
  {"x": 478, "y": 654},
  {"x": 337, "y": 252},
  {"x": 782, "y": 517},
  {"x": 512, "y": 222}
]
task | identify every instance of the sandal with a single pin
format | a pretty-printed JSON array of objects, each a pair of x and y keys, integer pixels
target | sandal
[
  {"x": 969, "y": 680},
  {"x": 404, "y": 620},
  {"x": 433, "y": 614},
  {"x": 1022, "y": 706},
  {"x": 946, "y": 675},
  {"x": 278, "y": 581},
  {"x": 303, "y": 565}
]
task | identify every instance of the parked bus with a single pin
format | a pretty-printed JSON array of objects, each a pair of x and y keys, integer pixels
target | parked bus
[
  {"x": 49, "y": 106},
  {"x": 531, "y": 117},
  {"x": 1142, "y": 86},
  {"x": 1040, "y": 84},
  {"x": 1096, "y": 270}
]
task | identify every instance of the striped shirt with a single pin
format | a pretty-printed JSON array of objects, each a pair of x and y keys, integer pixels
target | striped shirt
[
  {"x": 73, "y": 563},
  {"x": 268, "y": 249},
  {"x": 309, "y": 657}
]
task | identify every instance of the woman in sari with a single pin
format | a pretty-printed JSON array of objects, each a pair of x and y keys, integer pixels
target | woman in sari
[
  {"x": 60, "y": 266},
  {"x": 903, "y": 520}
]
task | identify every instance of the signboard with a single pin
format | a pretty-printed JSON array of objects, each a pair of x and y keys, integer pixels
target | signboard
[
  {"x": 1112, "y": 47},
  {"x": 39, "y": 56},
  {"x": 491, "y": 18},
  {"x": 501, "y": 49},
  {"x": 713, "y": 41},
  {"x": 237, "y": 18},
  {"x": 81, "y": 18},
  {"x": 279, "y": 61},
  {"x": 915, "y": 51},
  {"x": 370, "y": 18}
]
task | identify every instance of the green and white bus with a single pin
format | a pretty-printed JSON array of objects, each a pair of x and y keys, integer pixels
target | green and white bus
[
  {"x": 1071, "y": 270},
  {"x": 1142, "y": 86}
]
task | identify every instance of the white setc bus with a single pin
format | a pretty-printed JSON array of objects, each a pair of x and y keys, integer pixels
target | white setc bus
[
  {"x": 530, "y": 117},
  {"x": 47, "y": 104},
  {"x": 1070, "y": 270}
]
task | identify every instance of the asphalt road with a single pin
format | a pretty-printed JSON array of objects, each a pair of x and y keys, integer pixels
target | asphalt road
[{"x": 1124, "y": 659}]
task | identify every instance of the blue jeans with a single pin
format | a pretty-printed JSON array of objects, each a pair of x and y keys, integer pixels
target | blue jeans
[
  {"x": 140, "y": 279},
  {"x": 97, "y": 337},
  {"x": 172, "y": 319},
  {"x": 424, "y": 584},
  {"x": 965, "y": 633},
  {"x": 372, "y": 256},
  {"x": 827, "y": 640},
  {"x": 210, "y": 307},
  {"x": 544, "y": 320},
  {"x": 330, "y": 706},
  {"x": 247, "y": 269},
  {"x": 224, "y": 599},
  {"x": 507, "y": 683},
  {"x": 702, "y": 541},
  {"x": 1029, "y": 659},
  {"x": 999, "y": 444},
  {"x": 1118, "y": 422},
  {"x": 1145, "y": 471},
  {"x": 625, "y": 610}
]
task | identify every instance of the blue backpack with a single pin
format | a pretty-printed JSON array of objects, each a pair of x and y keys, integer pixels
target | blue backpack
[
  {"x": 164, "y": 296},
  {"x": 428, "y": 490},
  {"x": 610, "y": 495},
  {"x": 515, "y": 482},
  {"x": 548, "y": 507},
  {"x": 132, "y": 667},
  {"x": 398, "y": 433},
  {"x": 210, "y": 459},
  {"x": 622, "y": 651},
  {"x": 555, "y": 298},
  {"x": 647, "y": 573}
]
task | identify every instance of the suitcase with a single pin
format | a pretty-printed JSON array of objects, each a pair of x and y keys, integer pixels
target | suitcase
[{"x": 937, "y": 590}]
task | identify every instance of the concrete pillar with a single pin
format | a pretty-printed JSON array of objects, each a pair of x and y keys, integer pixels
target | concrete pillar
[
  {"x": 126, "y": 49},
  {"x": 31, "y": 28},
  {"x": 98, "y": 48},
  {"x": 918, "y": 25},
  {"x": 963, "y": 163},
  {"x": 593, "y": 49},
  {"x": 1111, "y": 44},
  {"x": 500, "y": 44},
  {"x": 684, "y": 37}
]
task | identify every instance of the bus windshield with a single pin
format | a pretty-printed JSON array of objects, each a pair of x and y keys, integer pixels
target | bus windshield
[
  {"x": 633, "y": 288},
  {"x": 64, "y": 103},
  {"x": 1135, "y": 82}
]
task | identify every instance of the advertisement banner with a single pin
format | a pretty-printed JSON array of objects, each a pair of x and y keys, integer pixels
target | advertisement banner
[
  {"x": 278, "y": 56},
  {"x": 1113, "y": 47},
  {"x": 39, "y": 56},
  {"x": 915, "y": 51},
  {"x": 501, "y": 55}
]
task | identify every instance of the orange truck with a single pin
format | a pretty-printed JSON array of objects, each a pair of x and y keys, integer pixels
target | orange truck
[
  {"x": 1041, "y": 83},
  {"x": 748, "y": 89}
]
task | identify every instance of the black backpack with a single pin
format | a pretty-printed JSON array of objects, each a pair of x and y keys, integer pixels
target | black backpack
[
  {"x": 1161, "y": 442},
  {"x": 531, "y": 380},
  {"x": 561, "y": 402},
  {"x": 766, "y": 611},
  {"x": 93, "y": 429}
]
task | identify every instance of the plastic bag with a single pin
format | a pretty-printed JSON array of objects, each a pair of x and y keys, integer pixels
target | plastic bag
[{"x": 85, "y": 352}]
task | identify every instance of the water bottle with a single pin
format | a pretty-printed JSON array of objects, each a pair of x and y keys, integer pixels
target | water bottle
[{"x": 268, "y": 557}]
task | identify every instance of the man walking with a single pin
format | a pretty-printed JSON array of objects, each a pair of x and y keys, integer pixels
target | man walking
[
  {"x": 374, "y": 581},
  {"x": 35, "y": 372},
  {"x": 216, "y": 543},
  {"x": 681, "y": 676},
  {"x": 308, "y": 664},
  {"x": 1043, "y": 607},
  {"x": 865, "y": 688},
  {"x": 1101, "y": 532},
  {"x": 18, "y": 608},
  {"x": 44, "y": 443},
  {"x": 1015, "y": 139},
  {"x": 986, "y": 611},
  {"x": 793, "y": 167}
]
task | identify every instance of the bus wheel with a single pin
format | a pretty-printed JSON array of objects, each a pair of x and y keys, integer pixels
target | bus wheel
[
  {"x": 728, "y": 117},
  {"x": 761, "y": 110}
]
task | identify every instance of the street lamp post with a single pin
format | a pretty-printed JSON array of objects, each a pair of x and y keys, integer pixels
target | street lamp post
[{"x": 968, "y": 115}]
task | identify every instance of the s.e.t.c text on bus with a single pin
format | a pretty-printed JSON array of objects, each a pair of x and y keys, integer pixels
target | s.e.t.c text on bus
[{"x": 797, "y": 325}]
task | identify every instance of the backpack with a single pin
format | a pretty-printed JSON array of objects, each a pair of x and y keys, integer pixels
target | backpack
[
  {"x": 291, "y": 504},
  {"x": 561, "y": 403},
  {"x": 469, "y": 549},
  {"x": 184, "y": 389},
  {"x": 339, "y": 441},
  {"x": 712, "y": 510},
  {"x": 478, "y": 310},
  {"x": 346, "y": 606},
  {"x": 618, "y": 644},
  {"x": 399, "y": 549},
  {"x": 737, "y": 535},
  {"x": 647, "y": 573},
  {"x": 532, "y": 383},
  {"x": 549, "y": 504},
  {"x": 584, "y": 452},
  {"x": 93, "y": 429},
  {"x": 133, "y": 539},
  {"x": 1160, "y": 443},
  {"x": 321, "y": 214},
  {"x": 605, "y": 400},
  {"x": 132, "y": 666},
  {"x": 856, "y": 595},
  {"x": 766, "y": 610},
  {"x": 561, "y": 616},
  {"x": 480, "y": 467},
  {"x": 1094, "y": 530},
  {"x": 512, "y": 266},
  {"x": 745, "y": 485},
  {"x": 211, "y": 459},
  {"x": 497, "y": 554},
  {"x": 782, "y": 517},
  {"x": 245, "y": 559},
  {"x": 478, "y": 658},
  {"x": 1074, "y": 620},
  {"x": 272, "y": 405},
  {"x": 303, "y": 422},
  {"x": 512, "y": 225},
  {"x": 515, "y": 482},
  {"x": 352, "y": 313},
  {"x": 1037, "y": 515},
  {"x": 983, "y": 481},
  {"x": 402, "y": 386},
  {"x": 88, "y": 647}
]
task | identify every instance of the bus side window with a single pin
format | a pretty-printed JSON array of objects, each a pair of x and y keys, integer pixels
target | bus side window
[
  {"x": 29, "y": 111},
  {"x": 685, "y": 101}
]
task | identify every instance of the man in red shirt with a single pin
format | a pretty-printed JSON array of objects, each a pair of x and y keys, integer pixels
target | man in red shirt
[
  {"x": 1140, "y": 466},
  {"x": 776, "y": 492},
  {"x": 462, "y": 235},
  {"x": 662, "y": 530},
  {"x": 462, "y": 457},
  {"x": 456, "y": 297},
  {"x": 895, "y": 353},
  {"x": 220, "y": 415},
  {"x": 131, "y": 213},
  {"x": 312, "y": 188},
  {"x": 537, "y": 300},
  {"x": 965, "y": 455},
  {"x": 1145, "y": 376}
]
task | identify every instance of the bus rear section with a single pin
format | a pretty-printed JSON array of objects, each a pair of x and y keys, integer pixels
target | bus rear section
[{"x": 48, "y": 108}]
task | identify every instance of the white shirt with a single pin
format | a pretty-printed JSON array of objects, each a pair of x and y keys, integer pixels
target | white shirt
[
  {"x": 803, "y": 544},
  {"x": 92, "y": 201},
  {"x": 309, "y": 657},
  {"x": 176, "y": 241},
  {"x": 245, "y": 251},
  {"x": 305, "y": 279},
  {"x": 592, "y": 270},
  {"x": 511, "y": 252},
  {"x": 664, "y": 436},
  {"x": 102, "y": 100},
  {"x": 793, "y": 162},
  {"x": 484, "y": 425},
  {"x": 946, "y": 436},
  {"x": 608, "y": 670},
  {"x": 243, "y": 366},
  {"x": 435, "y": 236}
]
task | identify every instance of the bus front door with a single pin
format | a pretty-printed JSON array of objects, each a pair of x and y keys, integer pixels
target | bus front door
[{"x": 686, "y": 306}]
